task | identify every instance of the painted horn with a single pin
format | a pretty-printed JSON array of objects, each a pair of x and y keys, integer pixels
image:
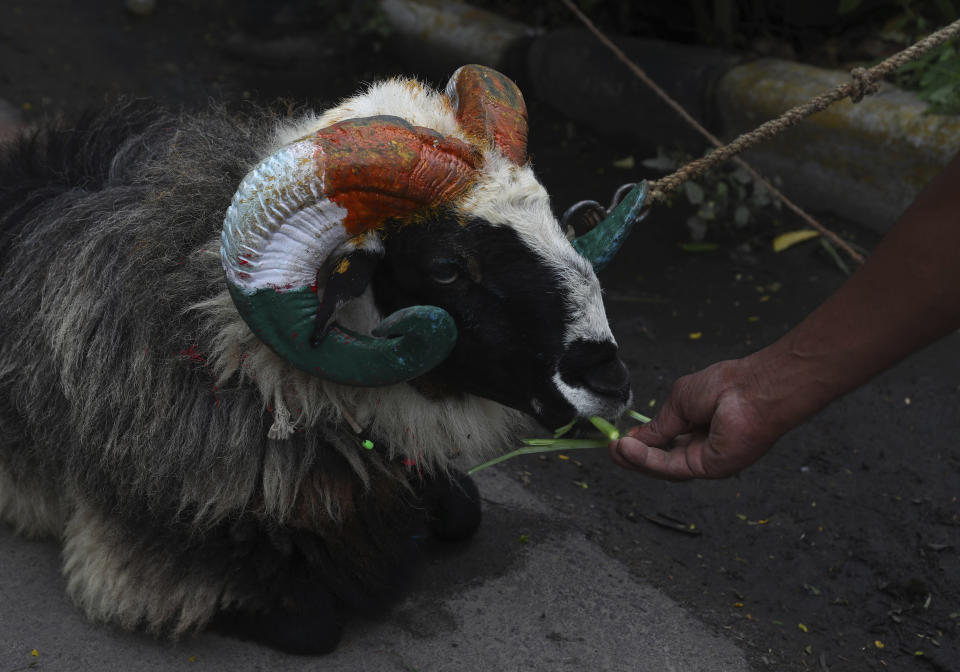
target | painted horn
[
  {"x": 490, "y": 110},
  {"x": 602, "y": 242},
  {"x": 325, "y": 196}
]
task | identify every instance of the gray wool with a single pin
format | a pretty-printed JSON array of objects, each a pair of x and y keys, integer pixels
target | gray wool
[{"x": 127, "y": 379}]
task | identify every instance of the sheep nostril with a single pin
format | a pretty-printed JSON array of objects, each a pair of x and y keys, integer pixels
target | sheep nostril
[
  {"x": 610, "y": 379},
  {"x": 595, "y": 365}
]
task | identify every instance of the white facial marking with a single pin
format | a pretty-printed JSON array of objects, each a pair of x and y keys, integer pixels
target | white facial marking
[{"x": 510, "y": 195}]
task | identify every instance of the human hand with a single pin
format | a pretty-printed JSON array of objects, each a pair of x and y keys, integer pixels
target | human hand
[{"x": 715, "y": 423}]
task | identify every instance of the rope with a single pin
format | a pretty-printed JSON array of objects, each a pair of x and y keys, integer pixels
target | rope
[{"x": 864, "y": 81}]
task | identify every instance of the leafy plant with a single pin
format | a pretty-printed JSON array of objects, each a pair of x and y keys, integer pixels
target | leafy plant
[
  {"x": 935, "y": 77},
  {"x": 726, "y": 198}
]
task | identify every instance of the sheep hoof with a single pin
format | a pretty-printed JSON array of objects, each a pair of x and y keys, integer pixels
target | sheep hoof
[
  {"x": 453, "y": 507},
  {"x": 312, "y": 629}
]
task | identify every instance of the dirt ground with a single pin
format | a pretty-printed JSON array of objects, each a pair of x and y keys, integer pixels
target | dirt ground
[{"x": 839, "y": 551}]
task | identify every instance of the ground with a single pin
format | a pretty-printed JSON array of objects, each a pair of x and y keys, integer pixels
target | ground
[{"x": 838, "y": 551}]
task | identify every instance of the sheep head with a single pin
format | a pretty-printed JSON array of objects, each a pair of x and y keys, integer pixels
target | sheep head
[{"x": 454, "y": 236}]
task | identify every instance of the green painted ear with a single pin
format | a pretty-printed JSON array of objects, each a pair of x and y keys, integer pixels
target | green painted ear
[
  {"x": 601, "y": 243},
  {"x": 411, "y": 341}
]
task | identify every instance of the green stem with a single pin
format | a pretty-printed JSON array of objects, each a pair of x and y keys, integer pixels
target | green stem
[
  {"x": 638, "y": 416},
  {"x": 605, "y": 427},
  {"x": 533, "y": 449}
]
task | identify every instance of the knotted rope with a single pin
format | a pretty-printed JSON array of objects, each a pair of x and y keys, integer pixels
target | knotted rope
[{"x": 864, "y": 81}]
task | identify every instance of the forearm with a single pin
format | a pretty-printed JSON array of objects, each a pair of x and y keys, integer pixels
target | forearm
[{"x": 905, "y": 296}]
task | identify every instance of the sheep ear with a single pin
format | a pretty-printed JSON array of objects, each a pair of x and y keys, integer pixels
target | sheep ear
[
  {"x": 490, "y": 109},
  {"x": 601, "y": 243},
  {"x": 330, "y": 194}
]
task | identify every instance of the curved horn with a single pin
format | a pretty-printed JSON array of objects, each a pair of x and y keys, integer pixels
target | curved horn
[
  {"x": 327, "y": 194},
  {"x": 602, "y": 242},
  {"x": 490, "y": 109}
]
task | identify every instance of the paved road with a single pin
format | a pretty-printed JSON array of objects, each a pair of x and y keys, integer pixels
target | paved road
[{"x": 554, "y": 604}]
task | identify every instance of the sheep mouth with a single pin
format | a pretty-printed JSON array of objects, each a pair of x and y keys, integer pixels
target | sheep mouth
[
  {"x": 568, "y": 403},
  {"x": 593, "y": 379}
]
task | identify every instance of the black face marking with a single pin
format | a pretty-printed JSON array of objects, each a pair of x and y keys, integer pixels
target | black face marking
[
  {"x": 509, "y": 307},
  {"x": 595, "y": 366}
]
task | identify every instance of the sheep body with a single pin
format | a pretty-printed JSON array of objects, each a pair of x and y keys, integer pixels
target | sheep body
[
  {"x": 194, "y": 477},
  {"x": 132, "y": 395}
]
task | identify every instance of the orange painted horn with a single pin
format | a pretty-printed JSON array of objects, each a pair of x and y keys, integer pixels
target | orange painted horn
[{"x": 490, "y": 110}]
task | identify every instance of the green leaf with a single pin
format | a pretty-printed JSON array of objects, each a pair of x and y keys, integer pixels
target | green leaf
[
  {"x": 741, "y": 216},
  {"x": 660, "y": 163},
  {"x": 557, "y": 433},
  {"x": 722, "y": 191},
  {"x": 694, "y": 192}
]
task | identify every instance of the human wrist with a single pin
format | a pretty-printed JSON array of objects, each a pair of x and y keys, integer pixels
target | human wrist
[{"x": 787, "y": 384}]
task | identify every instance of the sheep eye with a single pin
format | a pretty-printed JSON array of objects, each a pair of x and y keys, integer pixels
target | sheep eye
[{"x": 444, "y": 271}]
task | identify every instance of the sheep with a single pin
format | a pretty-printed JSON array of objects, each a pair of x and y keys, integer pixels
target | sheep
[{"x": 239, "y": 352}]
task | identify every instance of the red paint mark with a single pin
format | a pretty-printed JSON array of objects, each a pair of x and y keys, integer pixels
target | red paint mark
[
  {"x": 409, "y": 463},
  {"x": 244, "y": 276},
  {"x": 314, "y": 288},
  {"x": 193, "y": 354},
  {"x": 243, "y": 262},
  {"x": 294, "y": 334}
]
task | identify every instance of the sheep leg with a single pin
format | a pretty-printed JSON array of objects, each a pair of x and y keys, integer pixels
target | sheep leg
[
  {"x": 310, "y": 623},
  {"x": 452, "y": 503},
  {"x": 241, "y": 578}
]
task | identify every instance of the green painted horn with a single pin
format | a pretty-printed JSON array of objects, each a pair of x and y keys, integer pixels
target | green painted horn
[
  {"x": 411, "y": 341},
  {"x": 601, "y": 243}
]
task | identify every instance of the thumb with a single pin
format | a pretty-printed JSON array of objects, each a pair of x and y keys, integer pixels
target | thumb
[{"x": 669, "y": 424}]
